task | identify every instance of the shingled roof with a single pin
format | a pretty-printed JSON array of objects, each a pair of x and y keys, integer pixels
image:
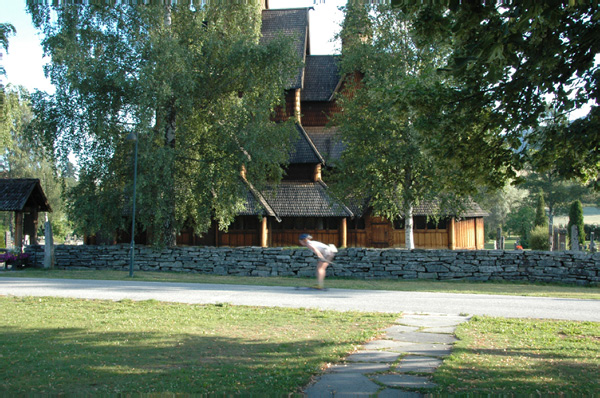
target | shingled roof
[
  {"x": 304, "y": 199},
  {"x": 256, "y": 204},
  {"x": 22, "y": 194},
  {"x": 291, "y": 23},
  {"x": 321, "y": 77},
  {"x": 304, "y": 150},
  {"x": 327, "y": 142},
  {"x": 429, "y": 208}
]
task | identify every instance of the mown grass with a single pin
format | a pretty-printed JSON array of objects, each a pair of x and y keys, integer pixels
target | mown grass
[
  {"x": 465, "y": 287},
  {"x": 523, "y": 357},
  {"x": 72, "y": 347},
  {"x": 56, "y": 346}
]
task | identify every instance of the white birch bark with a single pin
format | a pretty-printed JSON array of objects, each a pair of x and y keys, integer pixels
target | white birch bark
[{"x": 408, "y": 227}]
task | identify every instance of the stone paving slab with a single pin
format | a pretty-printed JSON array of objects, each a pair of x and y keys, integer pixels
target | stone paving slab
[
  {"x": 374, "y": 356},
  {"x": 395, "y": 330},
  {"x": 405, "y": 381},
  {"x": 417, "y": 340},
  {"x": 429, "y": 321},
  {"x": 394, "y": 393},
  {"x": 360, "y": 367},
  {"x": 440, "y": 329},
  {"x": 342, "y": 385},
  {"x": 412, "y": 363},
  {"x": 431, "y": 350},
  {"x": 385, "y": 344},
  {"x": 420, "y": 337}
]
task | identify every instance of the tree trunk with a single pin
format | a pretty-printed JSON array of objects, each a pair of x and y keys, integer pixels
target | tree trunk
[
  {"x": 169, "y": 231},
  {"x": 408, "y": 227},
  {"x": 551, "y": 228}
]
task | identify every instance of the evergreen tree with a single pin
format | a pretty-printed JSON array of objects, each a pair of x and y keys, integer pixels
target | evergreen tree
[
  {"x": 540, "y": 212},
  {"x": 520, "y": 221}
]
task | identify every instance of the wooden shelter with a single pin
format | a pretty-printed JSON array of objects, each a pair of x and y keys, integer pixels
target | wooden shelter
[{"x": 25, "y": 197}]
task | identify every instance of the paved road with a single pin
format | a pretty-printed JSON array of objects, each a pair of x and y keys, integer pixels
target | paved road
[{"x": 335, "y": 299}]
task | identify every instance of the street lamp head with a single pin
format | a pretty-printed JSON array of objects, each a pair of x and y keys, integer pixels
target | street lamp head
[{"x": 131, "y": 137}]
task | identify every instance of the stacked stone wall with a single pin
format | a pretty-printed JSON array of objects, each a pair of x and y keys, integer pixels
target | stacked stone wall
[{"x": 480, "y": 265}]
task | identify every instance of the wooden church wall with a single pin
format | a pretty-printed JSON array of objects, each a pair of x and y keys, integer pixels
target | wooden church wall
[{"x": 469, "y": 234}]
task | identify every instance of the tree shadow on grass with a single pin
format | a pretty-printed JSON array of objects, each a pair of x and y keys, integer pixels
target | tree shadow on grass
[{"x": 84, "y": 362}]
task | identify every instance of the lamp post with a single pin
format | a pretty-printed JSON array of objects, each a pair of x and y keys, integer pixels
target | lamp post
[{"x": 133, "y": 137}]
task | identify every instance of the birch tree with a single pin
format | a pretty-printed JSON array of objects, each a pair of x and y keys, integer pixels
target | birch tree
[
  {"x": 407, "y": 139},
  {"x": 192, "y": 84}
]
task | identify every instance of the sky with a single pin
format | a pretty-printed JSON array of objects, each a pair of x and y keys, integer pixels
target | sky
[{"x": 24, "y": 61}]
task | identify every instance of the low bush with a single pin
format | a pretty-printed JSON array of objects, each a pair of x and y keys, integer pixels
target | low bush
[{"x": 539, "y": 239}]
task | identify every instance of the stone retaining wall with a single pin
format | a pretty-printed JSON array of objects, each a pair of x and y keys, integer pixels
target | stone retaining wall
[{"x": 482, "y": 265}]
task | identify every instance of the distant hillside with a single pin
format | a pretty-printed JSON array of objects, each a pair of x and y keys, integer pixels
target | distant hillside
[{"x": 591, "y": 215}]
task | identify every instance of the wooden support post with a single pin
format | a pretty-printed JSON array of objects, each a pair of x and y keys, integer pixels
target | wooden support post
[
  {"x": 476, "y": 233},
  {"x": 264, "y": 233},
  {"x": 317, "y": 173},
  {"x": 297, "y": 108},
  {"x": 34, "y": 221},
  {"x": 344, "y": 233},
  {"x": 18, "y": 229},
  {"x": 452, "y": 234}
]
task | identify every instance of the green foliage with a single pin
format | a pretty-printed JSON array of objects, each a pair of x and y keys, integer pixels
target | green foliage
[
  {"x": 576, "y": 218},
  {"x": 407, "y": 139},
  {"x": 519, "y": 222},
  {"x": 540, "y": 212},
  {"x": 589, "y": 228},
  {"x": 6, "y": 30},
  {"x": 539, "y": 238},
  {"x": 558, "y": 192},
  {"x": 499, "y": 204},
  {"x": 25, "y": 157},
  {"x": 194, "y": 86},
  {"x": 514, "y": 58}
]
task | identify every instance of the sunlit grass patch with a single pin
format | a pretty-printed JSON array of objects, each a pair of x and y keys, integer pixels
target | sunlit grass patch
[{"x": 524, "y": 356}]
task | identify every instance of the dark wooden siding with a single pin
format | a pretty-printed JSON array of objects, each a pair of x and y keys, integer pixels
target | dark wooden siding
[{"x": 318, "y": 113}]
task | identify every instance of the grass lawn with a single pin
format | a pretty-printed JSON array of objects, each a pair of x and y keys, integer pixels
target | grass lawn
[
  {"x": 503, "y": 288},
  {"x": 523, "y": 357},
  {"x": 57, "y": 346}
]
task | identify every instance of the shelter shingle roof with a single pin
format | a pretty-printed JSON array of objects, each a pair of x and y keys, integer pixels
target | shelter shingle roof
[
  {"x": 321, "y": 77},
  {"x": 291, "y": 23},
  {"x": 21, "y": 194}
]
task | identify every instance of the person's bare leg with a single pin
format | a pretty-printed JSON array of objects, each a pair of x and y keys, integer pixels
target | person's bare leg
[{"x": 321, "y": 272}]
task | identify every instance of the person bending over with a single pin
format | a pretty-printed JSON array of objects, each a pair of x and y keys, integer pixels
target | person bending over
[{"x": 325, "y": 254}]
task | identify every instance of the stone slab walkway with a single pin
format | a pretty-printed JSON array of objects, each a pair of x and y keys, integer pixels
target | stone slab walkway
[{"x": 400, "y": 364}]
